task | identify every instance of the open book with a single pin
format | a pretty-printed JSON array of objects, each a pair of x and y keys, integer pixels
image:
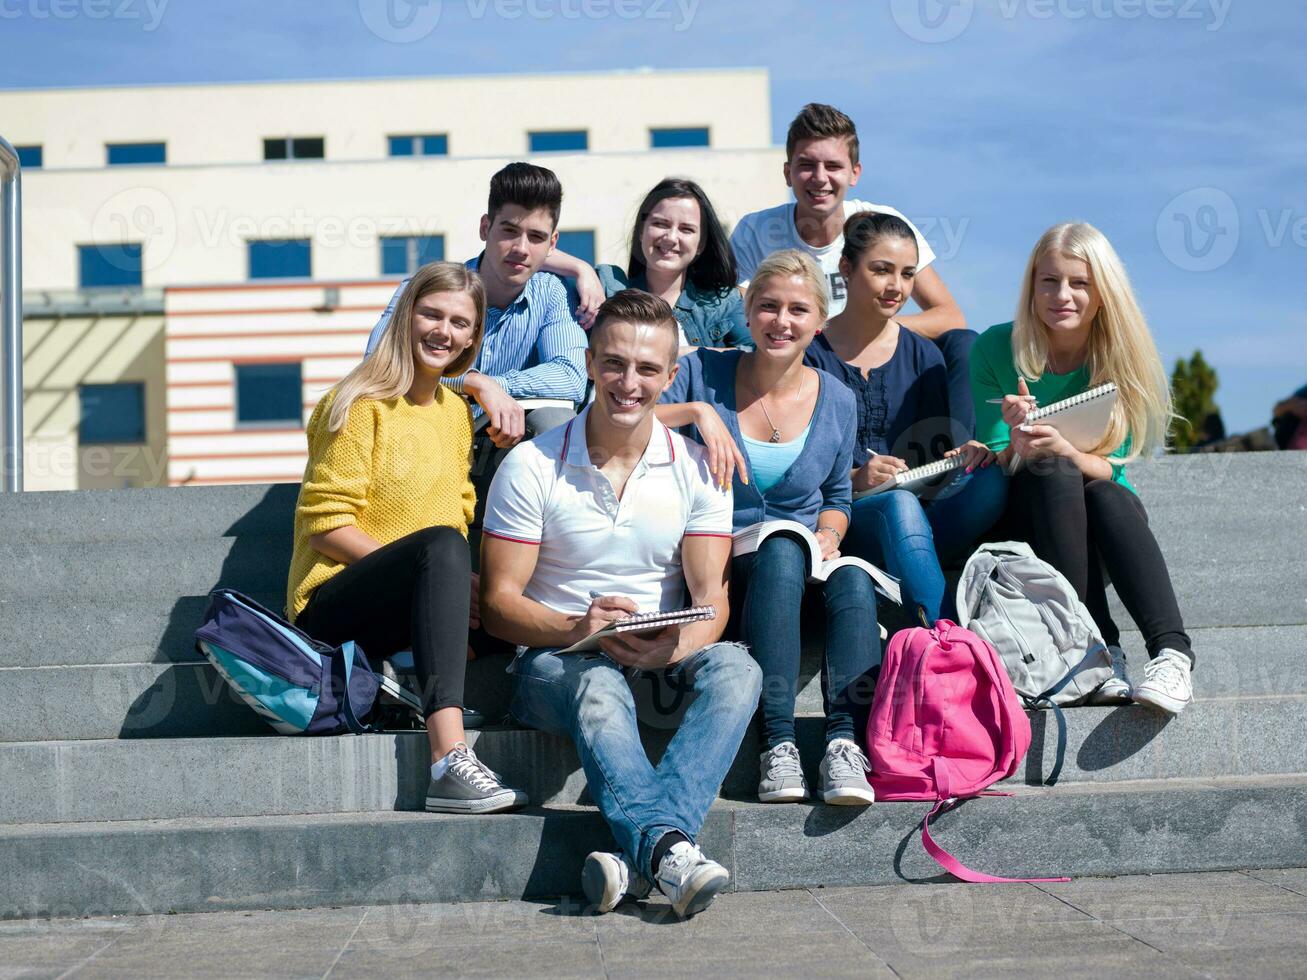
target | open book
[
  {"x": 1082, "y": 419},
  {"x": 644, "y": 623},
  {"x": 918, "y": 478},
  {"x": 752, "y": 537}
]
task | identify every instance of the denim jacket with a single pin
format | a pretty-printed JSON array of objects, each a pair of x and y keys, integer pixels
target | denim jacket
[{"x": 709, "y": 319}]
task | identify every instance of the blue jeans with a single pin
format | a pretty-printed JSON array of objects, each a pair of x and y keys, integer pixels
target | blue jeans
[
  {"x": 586, "y": 696},
  {"x": 772, "y": 581},
  {"x": 909, "y": 539}
]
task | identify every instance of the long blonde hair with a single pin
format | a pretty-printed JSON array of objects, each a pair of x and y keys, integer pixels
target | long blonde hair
[
  {"x": 388, "y": 371},
  {"x": 1121, "y": 348},
  {"x": 786, "y": 264}
]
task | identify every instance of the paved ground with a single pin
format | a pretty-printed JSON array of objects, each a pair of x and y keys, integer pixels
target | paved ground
[{"x": 1235, "y": 924}]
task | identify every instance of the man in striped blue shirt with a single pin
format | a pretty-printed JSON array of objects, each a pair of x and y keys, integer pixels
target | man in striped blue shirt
[{"x": 533, "y": 348}]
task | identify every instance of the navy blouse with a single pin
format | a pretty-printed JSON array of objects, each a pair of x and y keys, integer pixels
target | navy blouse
[{"x": 903, "y": 406}]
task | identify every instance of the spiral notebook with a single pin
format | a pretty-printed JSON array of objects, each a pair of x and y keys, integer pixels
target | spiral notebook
[
  {"x": 1082, "y": 419},
  {"x": 644, "y": 623},
  {"x": 916, "y": 479}
]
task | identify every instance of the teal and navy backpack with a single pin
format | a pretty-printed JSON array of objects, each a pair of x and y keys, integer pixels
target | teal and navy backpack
[{"x": 298, "y": 685}]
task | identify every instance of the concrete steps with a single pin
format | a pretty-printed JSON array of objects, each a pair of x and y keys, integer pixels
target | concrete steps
[
  {"x": 133, "y": 780},
  {"x": 167, "y": 778},
  {"x": 164, "y": 691},
  {"x": 381, "y": 858}
]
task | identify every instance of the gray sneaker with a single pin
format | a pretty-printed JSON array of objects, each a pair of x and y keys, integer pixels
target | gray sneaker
[
  {"x": 780, "y": 777},
  {"x": 470, "y": 786},
  {"x": 844, "y": 775},
  {"x": 690, "y": 880},
  {"x": 608, "y": 878},
  {"x": 1116, "y": 689}
]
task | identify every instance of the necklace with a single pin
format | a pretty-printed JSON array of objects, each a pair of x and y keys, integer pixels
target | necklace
[{"x": 762, "y": 403}]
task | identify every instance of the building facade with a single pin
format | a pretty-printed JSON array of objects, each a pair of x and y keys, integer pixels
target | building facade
[{"x": 236, "y": 234}]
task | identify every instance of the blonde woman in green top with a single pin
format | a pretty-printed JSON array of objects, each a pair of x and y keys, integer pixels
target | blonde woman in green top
[{"x": 1079, "y": 325}]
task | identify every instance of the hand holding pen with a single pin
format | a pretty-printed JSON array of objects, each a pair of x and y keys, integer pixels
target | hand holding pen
[{"x": 1016, "y": 413}]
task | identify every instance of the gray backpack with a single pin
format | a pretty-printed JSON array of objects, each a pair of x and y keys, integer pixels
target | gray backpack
[{"x": 1049, "y": 643}]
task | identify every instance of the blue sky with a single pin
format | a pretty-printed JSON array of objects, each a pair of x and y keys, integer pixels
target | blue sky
[{"x": 1179, "y": 127}]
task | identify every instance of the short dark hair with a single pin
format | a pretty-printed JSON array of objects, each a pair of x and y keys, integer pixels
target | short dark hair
[
  {"x": 817, "y": 121},
  {"x": 713, "y": 269},
  {"x": 866, "y": 228},
  {"x": 527, "y": 186},
  {"x": 634, "y": 306}
]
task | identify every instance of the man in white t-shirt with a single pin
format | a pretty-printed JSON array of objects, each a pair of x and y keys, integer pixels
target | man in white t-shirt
[
  {"x": 821, "y": 165},
  {"x": 610, "y": 515}
]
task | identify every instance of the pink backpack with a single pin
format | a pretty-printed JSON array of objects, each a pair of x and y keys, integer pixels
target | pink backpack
[{"x": 945, "y": 724}]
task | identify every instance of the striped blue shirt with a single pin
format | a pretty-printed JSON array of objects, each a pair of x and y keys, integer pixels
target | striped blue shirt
[{"x": 533, "y": 348}]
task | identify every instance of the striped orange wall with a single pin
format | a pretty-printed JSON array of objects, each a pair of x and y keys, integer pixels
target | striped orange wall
[{"x": 208, "y": 330}]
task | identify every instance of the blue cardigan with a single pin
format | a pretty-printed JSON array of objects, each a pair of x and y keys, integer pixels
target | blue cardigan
[{"x": 818, "y": 480}]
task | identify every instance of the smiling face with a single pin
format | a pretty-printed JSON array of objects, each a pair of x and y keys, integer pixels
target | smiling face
[
  {"x": 517, "y": 243},
  {"x": 443, "y": 327},
  {"x": 1065, "y": 297},
  {"x": 883, "y": 276},
  {"x": 631, "y": 364},
  {"x": 672, "y": 236},
  {"x": 821, "y": 171},
  {"x": 783, "y": 317}
]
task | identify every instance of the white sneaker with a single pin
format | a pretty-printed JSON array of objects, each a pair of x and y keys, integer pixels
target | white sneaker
[
  {"x": 1116, "y": 689},
  {"x": 608, "y": 878},
  {"x": 689, "y": 879},
  {"x": 844, "y": 775},
  {"x": 780, "y": 777},
  {"x": 1168, "y": 683}
]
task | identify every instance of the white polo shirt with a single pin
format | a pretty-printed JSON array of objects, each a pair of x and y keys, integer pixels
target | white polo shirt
[{"x": 547, "y": 492}]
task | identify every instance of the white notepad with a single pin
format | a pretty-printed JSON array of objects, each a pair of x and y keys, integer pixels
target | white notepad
[
  {"x": 1082, "y": 419},
  {"x": 917, "y": 478},
  {"x": 644, "y": 623}
]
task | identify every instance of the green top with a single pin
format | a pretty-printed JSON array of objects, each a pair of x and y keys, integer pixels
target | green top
[{"x": 994, "y": 374}]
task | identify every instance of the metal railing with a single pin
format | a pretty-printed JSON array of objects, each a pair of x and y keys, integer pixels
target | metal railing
[{"x": 11, "y": 319}]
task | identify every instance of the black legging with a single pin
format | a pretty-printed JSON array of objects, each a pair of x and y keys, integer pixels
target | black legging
[
  {"x": 414, "y": 592},
  {"x": 1082, "y": 527}
]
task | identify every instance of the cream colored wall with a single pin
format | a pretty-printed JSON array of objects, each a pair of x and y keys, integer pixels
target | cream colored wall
[
  {"x": 484, "y": 116},
  {"x": 194, "y": 222},
  {"x": 60, "y": 354}
]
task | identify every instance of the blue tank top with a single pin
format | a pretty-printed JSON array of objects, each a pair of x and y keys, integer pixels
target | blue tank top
[{"x": 768, "y": 461}]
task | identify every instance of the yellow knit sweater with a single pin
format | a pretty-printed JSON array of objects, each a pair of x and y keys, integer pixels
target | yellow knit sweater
[{"x": 392, "y": 469}]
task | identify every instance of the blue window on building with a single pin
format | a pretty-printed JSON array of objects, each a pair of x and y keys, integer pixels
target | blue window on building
[
  {"x": 557, "y": 141},
  {"x": 109, "y": 265},
  {"x": 432, "y": 145},
  {"x": 578, "y": 243},
  {"x": 112, "y": 413},
  {"x": 268, "y": 394},
  {"x": 402, "y": 255},
  {"x": 662, "y": 139},
  {"x": 122, "y": 154},
  {"x": 295, "y": 148},
  {"x": 30, "y": 157},
  {"x": 281, "y": 258}
]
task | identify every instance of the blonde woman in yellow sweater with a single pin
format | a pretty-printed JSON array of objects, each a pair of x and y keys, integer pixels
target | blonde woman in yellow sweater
[{"x": 381, "y": 554}]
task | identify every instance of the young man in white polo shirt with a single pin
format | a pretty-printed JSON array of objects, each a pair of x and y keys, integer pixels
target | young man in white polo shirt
[{"x": 609, "y": 515}]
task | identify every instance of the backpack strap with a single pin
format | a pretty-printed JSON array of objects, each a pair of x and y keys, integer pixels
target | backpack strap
[
  {"x": 351, "y": 716},
  {"x": 1046, "y": 699},
  {"x": 951, "y": 864}
]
